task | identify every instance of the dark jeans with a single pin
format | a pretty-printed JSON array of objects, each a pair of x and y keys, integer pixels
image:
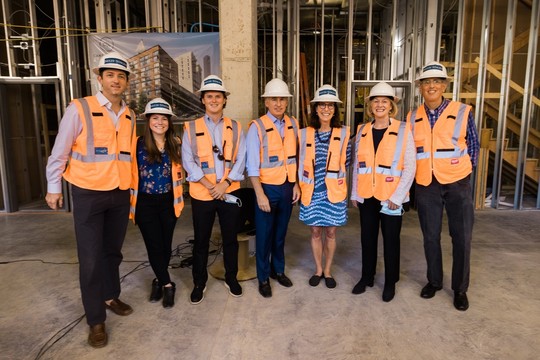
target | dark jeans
[
  {"x": 271, "y": 229},
  {"x": 456, "y": 198},
  {"x": 370, "y": 218},
  {"x": 204, "y": 213},
  {"x": 100, "y": 219},
  {"x": 156, "y": 220}
]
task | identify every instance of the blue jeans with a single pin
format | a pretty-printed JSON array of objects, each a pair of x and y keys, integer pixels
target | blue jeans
[
  {"x": 456, "y": 198},
  {"x": 271, "y": 229}
]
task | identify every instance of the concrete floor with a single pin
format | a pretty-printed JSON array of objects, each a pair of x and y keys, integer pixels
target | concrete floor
[{"x": 40, "y": 298}]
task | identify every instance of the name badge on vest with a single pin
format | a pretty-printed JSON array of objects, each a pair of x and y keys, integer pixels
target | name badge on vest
[
  {"x": 420, "y": 149},
  {"x": 389, "y": 179},
  {"x": 454, "y": 161},
  {"x": 204, "y": 165},
  {"x": 101, "y": 151},
  {"x": 274, "y": 158},
  {"x": 362, "y": 164}
]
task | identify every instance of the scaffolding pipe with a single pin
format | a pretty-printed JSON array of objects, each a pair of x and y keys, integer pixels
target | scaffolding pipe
[
  {"x": 503, "y": 103},
  {"x": 526, "y": 112},
  {"x": 368, "y": 40}
]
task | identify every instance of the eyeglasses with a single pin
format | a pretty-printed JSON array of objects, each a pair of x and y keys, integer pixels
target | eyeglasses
[
  {"x": 428, "y": 82},
  {"x": 217, "y": 151},
  {"x": 326, "y": 105}
]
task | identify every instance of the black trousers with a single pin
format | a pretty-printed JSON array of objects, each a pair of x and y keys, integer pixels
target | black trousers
[
  {"x": 156, "y": 220},
  {"x": 370, "y": 218},
  {"x": 100, "y": 219},
  {"x": 204, "y": 214},
  {"x": 456, "y": 198}
]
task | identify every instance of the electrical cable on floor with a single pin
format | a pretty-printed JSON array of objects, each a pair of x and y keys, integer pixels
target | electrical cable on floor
[{"x": 48, "y": 344}]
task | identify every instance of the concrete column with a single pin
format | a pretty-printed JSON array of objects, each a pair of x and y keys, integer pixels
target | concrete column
[{"x": 238, "y": 49}]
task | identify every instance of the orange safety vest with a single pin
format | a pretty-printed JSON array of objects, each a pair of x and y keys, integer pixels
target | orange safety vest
[
  {"x": 177, "y": 181},
  {"x": 441, "y": 151},
  {"x": 336, "y": 158},
  {"x": 100, "y": 157},
  {"x": 278, "y": 156},
  {"x": 378, "y": 174},
  {"x": 201, "y": 147}
]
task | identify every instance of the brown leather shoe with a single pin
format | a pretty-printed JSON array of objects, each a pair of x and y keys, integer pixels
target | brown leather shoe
[
  {"x": 98, "y": 336},
  {"x": 119, "y": 308}
]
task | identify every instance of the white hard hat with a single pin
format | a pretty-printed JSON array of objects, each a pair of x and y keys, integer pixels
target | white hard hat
[
  {"x": 383, "y": 89},
  {"x": 433, "y": 70},
  {"x": 113, "y": 60},
  {"x": 276, "y": 88},
  {"x": 326, "y": 93},
  {"x": 213, "y": 83},
  {"x": 158, "y": 106}
]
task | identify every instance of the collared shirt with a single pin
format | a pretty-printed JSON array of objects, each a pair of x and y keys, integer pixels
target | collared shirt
[
  {"x": 69, "y": 129},
  {"x": 195, "y": 173},
  {"x": 253, "y": 162},
  {"x": 471, "y": 137}
]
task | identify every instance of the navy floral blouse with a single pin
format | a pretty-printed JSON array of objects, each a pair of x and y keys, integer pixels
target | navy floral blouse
[{"x": 154, "y": 178}]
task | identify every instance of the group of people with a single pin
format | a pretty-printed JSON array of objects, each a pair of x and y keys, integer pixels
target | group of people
[{"x": 116, "y": 176}]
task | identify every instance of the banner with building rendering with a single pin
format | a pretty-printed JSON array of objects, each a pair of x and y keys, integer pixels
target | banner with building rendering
[{"x": 166, "y": 65}]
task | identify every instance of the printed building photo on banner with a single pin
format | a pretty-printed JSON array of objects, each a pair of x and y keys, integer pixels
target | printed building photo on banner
[{"x": 170, "y": 66}]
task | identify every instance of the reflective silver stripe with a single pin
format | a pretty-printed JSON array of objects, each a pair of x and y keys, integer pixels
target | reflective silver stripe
[
  {"x": 134, "y": 192},
  {"x": 124, "y": 157},
  {"x": 177, "y": 183},
  {"x": 291, "y": 161},
  {"x": 399, "y": 145},
  {"x": 340, "y": 174},
  {"x": 458, "y": 123},
  {"x": 358, "y": 137},
  {"x": 389, "y": 172},
  {"x": 295, "y": 128},
  {"x": 450, "y": 154},
  {"x": 334, "y": 175},
  {"x": 95, "y": 158},
  {"x": 424, "y": 155},
  {"x": 209, "y": 171},
  {"x": 413, "y": 119},
  {"x": 193, "y": 138},
  {"x": 132, "y": 210},
  {"x": 364, "y": 171},
  {"x": 90, "y": 146},
  {"x": 178, "y": 200},
  {"x": 302, "y": 156},
  {"x": 264, "y": 144},
  {"x": 306, "y": 180},
  {"x": 271, "y": 164},
  {"x": 236, "y": 134}
]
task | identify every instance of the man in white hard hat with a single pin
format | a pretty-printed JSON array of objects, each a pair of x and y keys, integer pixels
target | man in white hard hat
[
  {"x": 272, "y": 143},
  {"x": 447, "y": 149},
  {"x": 214, "y": 156},
  {"x": 94, "y": 140}
]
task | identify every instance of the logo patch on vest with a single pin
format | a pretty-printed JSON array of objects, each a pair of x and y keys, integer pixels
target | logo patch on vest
[
  {"x": 101, "y": 151},
  {"x": 389, "y": 179},
  {"x": 362, "y": 164},
  {"x": 340, "y": 182},
  {"x": 454, "y": 161},
  {"x": 204, "y": 165},
  {"x": 274, "y": 158},
  {"x": 420, "y": 149}
]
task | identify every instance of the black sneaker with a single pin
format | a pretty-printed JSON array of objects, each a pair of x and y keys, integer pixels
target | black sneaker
[
  {"x": 234, "y": 288},
  {"x": 197, "y": 295}
]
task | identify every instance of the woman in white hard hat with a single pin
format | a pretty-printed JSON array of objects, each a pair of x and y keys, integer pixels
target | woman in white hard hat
[
  {"x": 156, "y": 193},
  {"x": 384, "y": 167},
  {"x": 324, "y": 155}
]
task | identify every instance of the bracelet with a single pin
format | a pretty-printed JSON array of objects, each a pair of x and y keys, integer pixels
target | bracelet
[{"x": 228, "y": 182}]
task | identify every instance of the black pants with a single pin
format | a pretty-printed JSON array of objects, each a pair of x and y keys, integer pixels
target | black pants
[
  {"x": 156, "y": 219},
  {"x": 100, "y": 219},
  {"x": 370, "y": 217},
  {"x": 456, "y": 198},
  {"x": 204, "y": 214}
]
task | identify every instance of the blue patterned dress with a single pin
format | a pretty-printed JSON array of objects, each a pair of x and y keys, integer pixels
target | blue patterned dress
[{"x": 321, "y": 212}]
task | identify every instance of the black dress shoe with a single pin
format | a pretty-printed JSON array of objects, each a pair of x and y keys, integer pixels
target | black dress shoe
[
  {"x": 98, "y": 336},
  {"x": 460, "y": 301},
  {"x": 389, "y": 292},
  {"x": 168, "y": 296},
  {"x": 315, "y": 280},
  {"x": 264, "y": 289},
  {"x": 283, "y": 280},
  {"x": 360, "y": 287},
  {"x": 157, "y": 291},
  {"x": 429, "y": 291}
]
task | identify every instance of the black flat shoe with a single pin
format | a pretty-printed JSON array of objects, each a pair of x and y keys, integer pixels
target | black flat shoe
[
  {"x": 315, "y": 280},
  {"x": 156, "y": 292},
  {"x": 330, "y": 282},
  {"x": 360, "y": 287},
  {"x": 168, "y": 295},
  {"x": 389, "y": 292}
]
